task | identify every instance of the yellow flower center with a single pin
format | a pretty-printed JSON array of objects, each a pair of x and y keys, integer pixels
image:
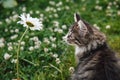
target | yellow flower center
[{"x": 29, "y": 24}]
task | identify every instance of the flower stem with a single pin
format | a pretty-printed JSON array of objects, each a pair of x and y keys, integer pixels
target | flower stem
[{"x": 18, "y": 51}]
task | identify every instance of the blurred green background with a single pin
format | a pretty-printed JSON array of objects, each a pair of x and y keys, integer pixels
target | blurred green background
[{"x": 52, "y": 59}]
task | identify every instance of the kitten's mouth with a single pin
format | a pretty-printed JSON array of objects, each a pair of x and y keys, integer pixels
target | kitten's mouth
[{"x": 70, "y": 41}]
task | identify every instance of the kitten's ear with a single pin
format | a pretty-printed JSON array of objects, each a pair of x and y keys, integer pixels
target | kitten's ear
[
  {"x": 76, "y": 17},
  {"x": 85, "y": 27},
  {"x": 82, "y": 26}
]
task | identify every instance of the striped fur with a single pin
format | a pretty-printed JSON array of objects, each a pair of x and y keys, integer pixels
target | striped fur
[{"x": 95, "y": 60}]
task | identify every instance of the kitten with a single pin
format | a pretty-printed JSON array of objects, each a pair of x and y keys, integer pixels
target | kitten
[{"x": 95, "y": 60}]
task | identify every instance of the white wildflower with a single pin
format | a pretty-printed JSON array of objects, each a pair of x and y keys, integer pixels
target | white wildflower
[
  {"x": 45, "y": 49},
  {"x": 15, "y": 43},
  {"x": 51, "y": 2},
  {"x": 98, "y": 7},
  {"x": 8, "y": 20},
  {"x": 0, "y": 23},
  {"x": 59, "y": 9},
  {"x": 108, "y": 27},
  {"x": 51, "y": 53},
  {"x": 35, "y": 38},
  {"x": 9, "y": 44},
  {"x": 108, "y": 7},
  {"x": 118, "y": 13},
  {"x": 37, "y": 46},
  {"x": 71, "y": 69},
  {"x": 64, "y": 27},
  {"x": 41, "y": 19},
  {"x": 10, "y": 48},
  {"x": 7, "y": 56},
  {"x": 59, "y": 3},
  {"x": 110, "y": 3},
  {"x": 28, "y": 21},
  {"x": 97, "y": 1},
  {"x": 16, "y": 30},
  {"x": 31, "y": 12},
  {"x": 52, "y": 38},
  {"x": 14, "y": 37},
  {"x": 56, "y": 23},
  {"x": 42, "y": 15},
  {"x": 14, "y": 17},
  {"x": 14, "y": 61},
  {"x": 54, "y": 45},
  {"x": 50, "y": 16},
  {"x": 2, "y": 39},
  {"x": 84, "y": 8},
  {"x": 67, "y": 7},
  {"x": 114, "y": 2},
  {"x": 37, "y": 42},
  {"x": 13, "y": 12},
  {"x": 6, "y": 30},
  {"x": 56, "y": 29},
  {"x": 12, "y": 31},
  {"x": 22, "y": 48},
  {"x": 46, "y": 40},
  {"x": 60, "y": 31},
  {"x": 57, "y": 60},
  {"x": 48, "y": 9},
  {"x": 22, "y": 43},
  {"x": 55, "y": 55},
  {"x": 2, "y": 44},
  {"x": 24, "y": 9},
  {"x": 37, "y": 12},
  {"x": 56, "y": 15},
  {"x": 31, "y": 48}
]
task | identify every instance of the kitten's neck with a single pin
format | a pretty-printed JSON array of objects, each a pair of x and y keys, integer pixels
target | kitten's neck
[{"x": 86, "y": 51}]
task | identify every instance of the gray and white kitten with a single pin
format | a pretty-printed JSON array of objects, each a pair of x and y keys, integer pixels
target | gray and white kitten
[{"x": 95, "y": 60}]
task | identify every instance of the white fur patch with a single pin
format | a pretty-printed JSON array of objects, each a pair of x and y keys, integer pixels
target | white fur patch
[{"x": 80, "y": 50}]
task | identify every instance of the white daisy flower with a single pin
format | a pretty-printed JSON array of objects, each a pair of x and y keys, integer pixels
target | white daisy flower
[{"x": 29, "y": 22}]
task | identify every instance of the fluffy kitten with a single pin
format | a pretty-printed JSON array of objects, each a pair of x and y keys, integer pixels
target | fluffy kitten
[{"x": 95, "y": 60}]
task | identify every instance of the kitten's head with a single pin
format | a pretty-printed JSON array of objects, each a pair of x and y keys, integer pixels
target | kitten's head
[{"x": 82, "y": 34}]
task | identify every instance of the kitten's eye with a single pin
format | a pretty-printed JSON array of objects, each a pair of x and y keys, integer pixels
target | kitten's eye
[
  {"x": 77, "y": 26},
  {"x": 70, "y": 37}
]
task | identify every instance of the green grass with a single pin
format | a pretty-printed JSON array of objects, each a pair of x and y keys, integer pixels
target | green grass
[{"x": 39, "y": 64}]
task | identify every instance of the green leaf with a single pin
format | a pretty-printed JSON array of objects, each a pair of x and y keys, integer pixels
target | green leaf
[{"x": 9, "y": 3}]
